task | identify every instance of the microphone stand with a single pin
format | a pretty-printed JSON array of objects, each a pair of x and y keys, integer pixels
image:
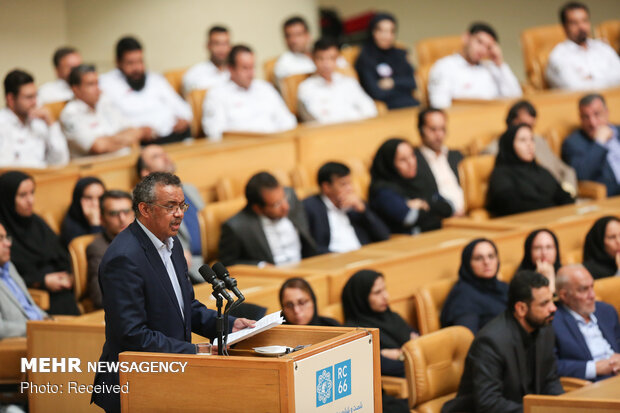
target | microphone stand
[{"x": 219, "y": 321}]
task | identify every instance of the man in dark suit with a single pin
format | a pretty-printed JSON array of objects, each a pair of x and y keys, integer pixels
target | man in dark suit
[
  {"x": 339, "y": 219},
  {"x": 147, "y": 296},
  {"x": 438, "y": 165},
  {"x": 594, "y": 150},
  {"x": 513, "y": 354},
  {"x": 587, "y": 332},
  {"x": 272, "y": 229}
]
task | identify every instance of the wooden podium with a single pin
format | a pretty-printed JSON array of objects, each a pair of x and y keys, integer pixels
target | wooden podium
[{"x": 338, "y": 372}]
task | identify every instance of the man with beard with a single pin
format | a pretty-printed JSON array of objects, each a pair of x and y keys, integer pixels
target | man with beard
[
  {"x": 580, "y": 62},
  {"x": 145, "y": 98},
  {"x": 205, "y": 75},
  {"x": 512, "y": 356}
]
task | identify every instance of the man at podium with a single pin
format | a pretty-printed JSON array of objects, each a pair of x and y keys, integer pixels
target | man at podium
[{"x": 147, "y": 296}]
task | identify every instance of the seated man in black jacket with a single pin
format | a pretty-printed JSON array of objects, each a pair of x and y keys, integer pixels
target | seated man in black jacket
[{"x": 339, "y": 219}]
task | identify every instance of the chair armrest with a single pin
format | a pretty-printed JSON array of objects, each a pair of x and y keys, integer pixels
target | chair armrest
[
  {"x": 572, "y": 383},
  {"x": 591, "y": 189},
  {"x": 11, "y": 352},
  {"x": 41, "y": 298},
  {"x": 395, "y": 386}
]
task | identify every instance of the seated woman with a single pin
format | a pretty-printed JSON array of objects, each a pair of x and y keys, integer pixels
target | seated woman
[
  {"x": 36, "y": 251},
  {"x": 518, "y": 183},
  {"x": 478, "y": 296},
  {"x": 365, "y": 304},
  {"x": 383, "y": 69},
  {"x": 542, "y": 254},
  {"x": 601, "y": 249},
  {"x": 298, "y": 304},
  {"x": 405, "y": 201},
  {"x": 83, "y": 216}
]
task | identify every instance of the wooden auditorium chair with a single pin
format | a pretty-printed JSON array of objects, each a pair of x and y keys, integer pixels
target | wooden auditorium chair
[
  {"x": 214, "y": 215},
  {"x": 11, "y": 352},
  {"x": 233, "y": 187},
  {"x": 434, "y": 365},
  {"x": 429, "y": 300},
  {"x": 537, "y": 43},
  {"x": 79, "y": 264},
  {"x": 609, "y": 31},
  {"x": 175, "y": 78},
  {"x": 55, "y": 108},
  {"x": 268, "y": 70},
  {"x": 474, "y": 173},
  {"x": 608, "y": 290},
  {"x": 196, "y": 98},
  {"x": 429, "y": 51}
]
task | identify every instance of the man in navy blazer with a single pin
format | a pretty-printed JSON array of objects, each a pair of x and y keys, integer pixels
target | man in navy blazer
[
  {"x": 339, "y": 220},
  {"x": 587, "y": 331},
  {"x": 147, "y": 295},
  {"x": 594, "y": 150}
]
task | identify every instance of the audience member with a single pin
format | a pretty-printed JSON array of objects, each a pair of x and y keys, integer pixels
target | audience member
[
  {"x": 477, "y": 72},
  {"x": 29, "y": 137},
  {"x": 36, "y": 251},
  {"x": 383, "y": 69},
  {"x": 116, "y": 215},
  {"x": 518, "y": 183},
  {"x": 91, "y": 122},
  {"x": 64, "y": 59},
  {"x": 580, "y": 62},
  {"x": 328, "y": 96},
  {"x": 339, "y": 219},
  {"x": 243, "y": 103},
  {"x": 16, "y": 304},
  {"x": 436, "y": 163},
  {"x": 298, "y": 304},
  {"x": 587, "y": 332},
  {"x": 210, "y": 73},
  {"x": 272, "y": 229},
  {"x": 296, "y": 60},
  {"x": 145, "y": 98},
  {"x": 601, "y": 248},
  {"x": 153, "y": 158},
  {"x": 478, "y": 296},
  {"x": 83, "y": 216},
  {"x": 594, "y": 150},
  {"x": 541, "y": 253},
  {"x": 524, "y": 112},
  {"x": 365, "y": 302},
  {"x": 399, "y": 195},
  {"x": 512, "y": 356}
]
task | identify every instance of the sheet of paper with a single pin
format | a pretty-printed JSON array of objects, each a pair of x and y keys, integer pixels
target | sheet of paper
[{"x": 264, "y": 324}]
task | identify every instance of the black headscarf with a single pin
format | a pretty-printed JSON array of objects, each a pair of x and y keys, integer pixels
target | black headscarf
[
  {"x": 370, "y": 43},
  {"x": 384, "y": 174},
  {"x": 595, "y": 258},
  {"x": 466, "y": 273},
  {"x": 75, "y": 222},
  {"x": 526, "y": 262},
  {"x": 507, "y": 154},
  {"x": 394, "y": 331},
  {"x": 316, "y": 320}
]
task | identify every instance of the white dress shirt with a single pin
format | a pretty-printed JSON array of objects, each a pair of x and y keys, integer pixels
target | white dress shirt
[
  {"x": 342, "y": 236},
  {"x": 599, "y": 347},
  {"x": 30, "y": 145},
  {"x": 577, "y": 68},
  {"x": 82, "y": 125},
  {"x": 283, "y": 240},
  {"x": 157, "y": 105},
  {"x": 203, "y": 75},
  {"x": 289, "y": 64},
  {"x": 340, "y": 100},
  {"x": 452, "y": 77},
  {"x": 165, "y": 252},
  {"x": 259, "y": 109},
  {"x": 447, "y": 182},
  {"x": 56, "y": 91}
]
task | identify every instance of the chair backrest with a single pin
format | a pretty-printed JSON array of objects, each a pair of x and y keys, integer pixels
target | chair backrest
[
  {"x": 268, "y": 70},
  {"x": 333, "y": 311},
  {"x": 609, "y": 31},
  {"x": 474, "y": 173},
  {"x": 429, "y": 301},
  {"x": 434, "y": 363},
  {"x": 537, "y": 43},
  {"x": 77, "y": 251},
  {"x": 196, "y": 98},
  {"x": 350, "y": 54},
  {"x": 606, "y": 289},
  {"x": 227, "y": 188},
  {"x": 288, "y": 88},
  {"x": 175, "y": 78},
  {"x": 215, "y": 215},
  {"x": 429, "y": 51},
  {"x": 55, "y": 108}
]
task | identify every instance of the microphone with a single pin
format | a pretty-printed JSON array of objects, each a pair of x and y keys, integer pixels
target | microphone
[
  {"x": 219, "y": 286},
  {"x": 222, "y": 273}
]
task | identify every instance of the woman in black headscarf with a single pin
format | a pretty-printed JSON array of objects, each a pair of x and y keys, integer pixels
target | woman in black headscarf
[
  {"x": 601, "y": 250},
  {"x": 83, "y": 216},
  {"x": 541, "y": 253},
  {"x": 365, "y": 304},
  {"x": 36, "y": 251},
  {"x": 383, "y": 69},
  {"x": 518, "y": 183},
  {"x": 478, "y": 296},
  {"x": 405, "y": 202},
  {"x": 298, "y": 304}
]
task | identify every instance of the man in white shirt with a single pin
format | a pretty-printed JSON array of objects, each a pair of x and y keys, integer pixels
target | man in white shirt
[
  {"x": 437, "y": 164},
  {"x": 580, "y": 62},
  {"x": 91, "y": 122},
  {"x": 297, "y": 59},
  {"x": 28, "y": 135},
  {"x": 477, "y": 72},
  {"x": 205, "y": 75},
  {"x": 328, "y": 96},
  {"x": 65, "y": 59},
  {"x": 244, "y": 104},
  {"x": 145, "y": 98}
]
